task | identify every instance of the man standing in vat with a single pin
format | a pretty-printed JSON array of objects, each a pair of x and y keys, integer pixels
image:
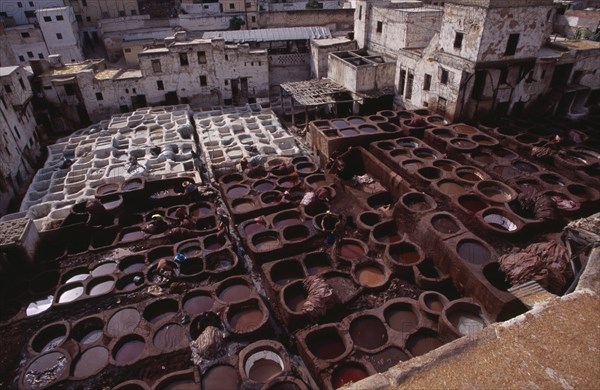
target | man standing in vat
[{"x": 191, "y": 190}]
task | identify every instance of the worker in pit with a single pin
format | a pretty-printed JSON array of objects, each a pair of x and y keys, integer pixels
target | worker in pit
[{"x": 156, "y": 225}]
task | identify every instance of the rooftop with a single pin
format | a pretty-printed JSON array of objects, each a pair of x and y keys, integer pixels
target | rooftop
[
  {"x": 8, "y": 70},
  {"x": 271, "y": 34}
]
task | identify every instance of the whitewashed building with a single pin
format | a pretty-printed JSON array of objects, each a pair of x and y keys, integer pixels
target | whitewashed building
[
  {"x": 22, "y": 44},
  {"x": 61, "y": 32}
]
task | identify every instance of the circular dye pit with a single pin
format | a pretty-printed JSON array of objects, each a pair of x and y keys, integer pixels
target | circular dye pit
[
  {"x": 237, "y": 191},
  {"x": 286, "y": 271},
  {"x": 263, "y": 186},
  {"x": 197, "y": 303},
  {"x": 349, "y": 132},
  {"x": 75, "y": 275},
  {"x": 105, "y": 269},
  {"x": 499, "y": 220},
  {"x": 430, "y": 173},
  {"x": 472, "y": 203},
  {"x": 425, "y": 153},
  {"x": 263, "y": 365},
  {"x": 350, "y": 249},
  {"x": 418, "y": 202},
  {"x": 370, "y": 275},
  {"x": 220, "y": 261},
  {"x": 286, "y": 218},
  {"x": 306, "y": 168},
  {"x": 88, "y": 331},
  {"x": 423, "y": 342},
  {"x": 100, "y": 286},
  {"x": 90, "y": 362},
  {"x": 132, "y": 264},
  {"x": 295, "y": 233},
  {"x": 178, "y": 382},
  {"x": 404, "y": 253},
  {"x": 266, "y": 241},
  {"x": 160, "y": 310},
  {"x": 220, "y": 377},
  {"x": 451, "y": 188},
  {"x": 445, "y": 224},
  {"x": 317, "y": 263},
  {"x": 469, "y": 174},
  {"x": 245, "y": 318},
  {"x": 214, "y": 242},
  {"x": 46, "y": 370},
  {"x": 433, "y": 301},
  {"x": 49, "y": 338},
  {"x": 44, "y": 282},
  {"x": 401, "y": 317},
  {"x": 463, "y": 143},
  {"x": 128, "y": 349},
  {"x": 325, "y": 343},
  {"x": 123, "y": 322},
  {"x": 466, "y": 321},
  {"x": 495, "y": 191},
  {"x": 387, "y": 233},
  {"x": 525, "y": 167},
  {"x": 169, "y": 337},
  {"x": 368, "y": 332},
  {"x": 388, "y": 358},
  {"x": 473, "y": 251},
  {"x": 294, "y": 296},
  {"x": 235, "y": 291},
  {"x": 348, "y": 373}
]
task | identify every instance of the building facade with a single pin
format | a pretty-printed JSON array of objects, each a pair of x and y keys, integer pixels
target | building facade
[{"x": 61, "y": 32}]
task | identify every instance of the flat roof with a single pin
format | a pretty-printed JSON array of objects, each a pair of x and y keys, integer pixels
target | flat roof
[
  {"x": 580, "y": 44},
  {"x": 7, "y": 70},
  {"x": 331, "y": 41},
  {"x": 271, "y": 34}
]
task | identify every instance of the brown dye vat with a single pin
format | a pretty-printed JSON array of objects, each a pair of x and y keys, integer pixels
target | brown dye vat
[
  {"x": 100, "y": 286},
  {"x": 506, "y": 171},
  {"x": 315, "y": 180},
  {"x": 235, "y": 291},
  {"x": 106, "y": 189},
  {"x": 472, "y": 203},
  {"x": 220, "y": 377},
  {"x": 445, "y": 165},
  {"x": 91, "y": 362},
  {"x": 263, "y": 368},
  {"x": 191, "y": 266},
  {"x": 306, "y": 168},
  {"x": 473, "y": 251},
  {"x": 504, "y": 153},
  {"x": 496, "y": 277},
  {"x": 44, "y": 282},
  {"x": 527, "y": 139},
  {"x": 463, "y": 318},
  {"x": 88, "y": 331},
  {"x": 294, "y": 296},
  {"x": 377, "y": 118},
  {"x": 425, "y": 153},
  {"x": 469, "y": 174},
  {"x": 325, "y": 343},
  {"x": 299, "y": 159},
  {"x": 418, "y": 202},
  {"x": 349, "y": 132},
  {"x": 286, "y": 271},
  {"x": 462, "y": 143},
  {"x": 350, "y": 249},
  {"x": 401, "y": 317},
  {"x": 191, "y": 248},
  {"x": 288, "y": 182},
  {"x": 270, "y": 197},
  {"x": 389, "y": 127},
  {"x": 495, "y": 191},
  {"x": 444, "y": 224},
  {"x": 128, "y": 349},
  {"x": 49, "y": 338},
  {"x": 370, "y": 275},
  {"x": 131, "y": 385},
  {"x": 160, "y": 310},
  {"x": 169, "y": 337},
  {"x": 197, "y": 302},
  {"x": 451, "y": 188},
  {"x": 386, "y": 145},
  {"x": 163, "y": 252},
  {"x": 525, "y": 167},
  {"x": 127, "y": 282},
  {"x": 201, "y": 210},
  {"x": 387, "y": 233},
  {"x": 422, "y": 342},
  {"x": 436, "y": 120},
  {"x": 286, "y": 218},
  {"x": 104, "y": 269},
  {"x": 349, "y": 372},
  {"x": 245, "y": 317},
  {"x": 582, "y": 192},
  {"x": 132, "y": 185},
  {"x": 237, "y": 191},
  {"x": 482, "y": 158},
  {"x": 507, "y": 131},
  {"x": 131, "y": 264},
  {"x": 484, "y": 140},
  {"x": 131, "y": 234},
  {"x": 367, "y": 129},
  {"x": 220, "y": 261},
  {"x": 388, "y": 358},
  {"x": 502, "y": 220},
  {"x": 430, "y": 173},
  {"x": 552, "y": 179},
  {"x": 178, "y": 384},
  {"x": 368, "y": 219},
  {"x": 443, "y": 132},
  {"x": 263, "y": 186},
  {"x": 284, "y": 383},
  {"x": 266, "y": 241},
  {"x": 214, "y": 242},
  {"x": 404, "y": 253},
  {"x": 242, "y": 205},
  {"x": 412, "y": 165},
  {"x": 112, "y": 202},
  {"x": 317, "y": 263},
  {"x": 465, "y": 129},
  {"x": 46, "y": 370},
  {"x": 368, "y": 332},
  {"x": 254, "y": 227}
]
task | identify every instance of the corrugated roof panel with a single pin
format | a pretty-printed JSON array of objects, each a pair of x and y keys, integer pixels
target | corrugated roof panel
[{"x": 270, "y": 34}]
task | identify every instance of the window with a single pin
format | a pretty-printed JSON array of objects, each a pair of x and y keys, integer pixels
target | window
[
  {"x": 7, "y": 88},
  {"x": 21, "y": 58},
  {"x": 253, "y": 19},
  {"x": 183, "y": 59},
  {"x": 17, "y": 132},
  {"x": 121, "y": 13},
  {"x": 441, "y": 105},
  {"x": 511, "y": 45},
  {"x": 231, "y": 6},
  {"x": 127, "y": 50},
  {"x": 427, "y": 82},
  {"x": 84, "y": 3},
  {"x": 133, "y": 12},
  {"x": 444, "y": 77},
  {"x": 156, "y": 68},
  {"x": 203, "y": 81},
  {"x": 69, "y": 89},
  {"x": 105, "y": 14},
  {"x": 88, "y": 19},
  {"x": 58, "y": 35},
  {"x": 126, "y": 90},
  {"x": 78, "y": 18},
  {"x": 226, "y": 57},
  {"x": 379, "y": 27},
  {"x": 47, "y": 19},
  {"x": 458, "y": 39},
  {"x": 159, "y": 85},
  {"x": 479, "y": 85},
  {"x": 31, "y": 3},
  {"x": 21, "y": 83},
  {"x": 99, "y": 96},
  {"x": 360, "y": 13},
  {"x": 19, "y": 4},
  {"x": 248, "y": 5},
  {"x": 133, "y": 90},
  {"x": 202, "y": 57},
  {"x": 40, "y": 56},
  {"x": 503, "y": 76},
  {"x": 226, "y": 82},
  {"x": 409, "y": 85},
  {"x": 577, "y": 75},
  {"x": 30, "y": 14},
  {"x": 25, "y": 35},
  {"x": 59, "y": 17},
  {"x": 402, "y": 82},
  {"x": 3, "y": 102},
  {"x": 30, "y": 54}
]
